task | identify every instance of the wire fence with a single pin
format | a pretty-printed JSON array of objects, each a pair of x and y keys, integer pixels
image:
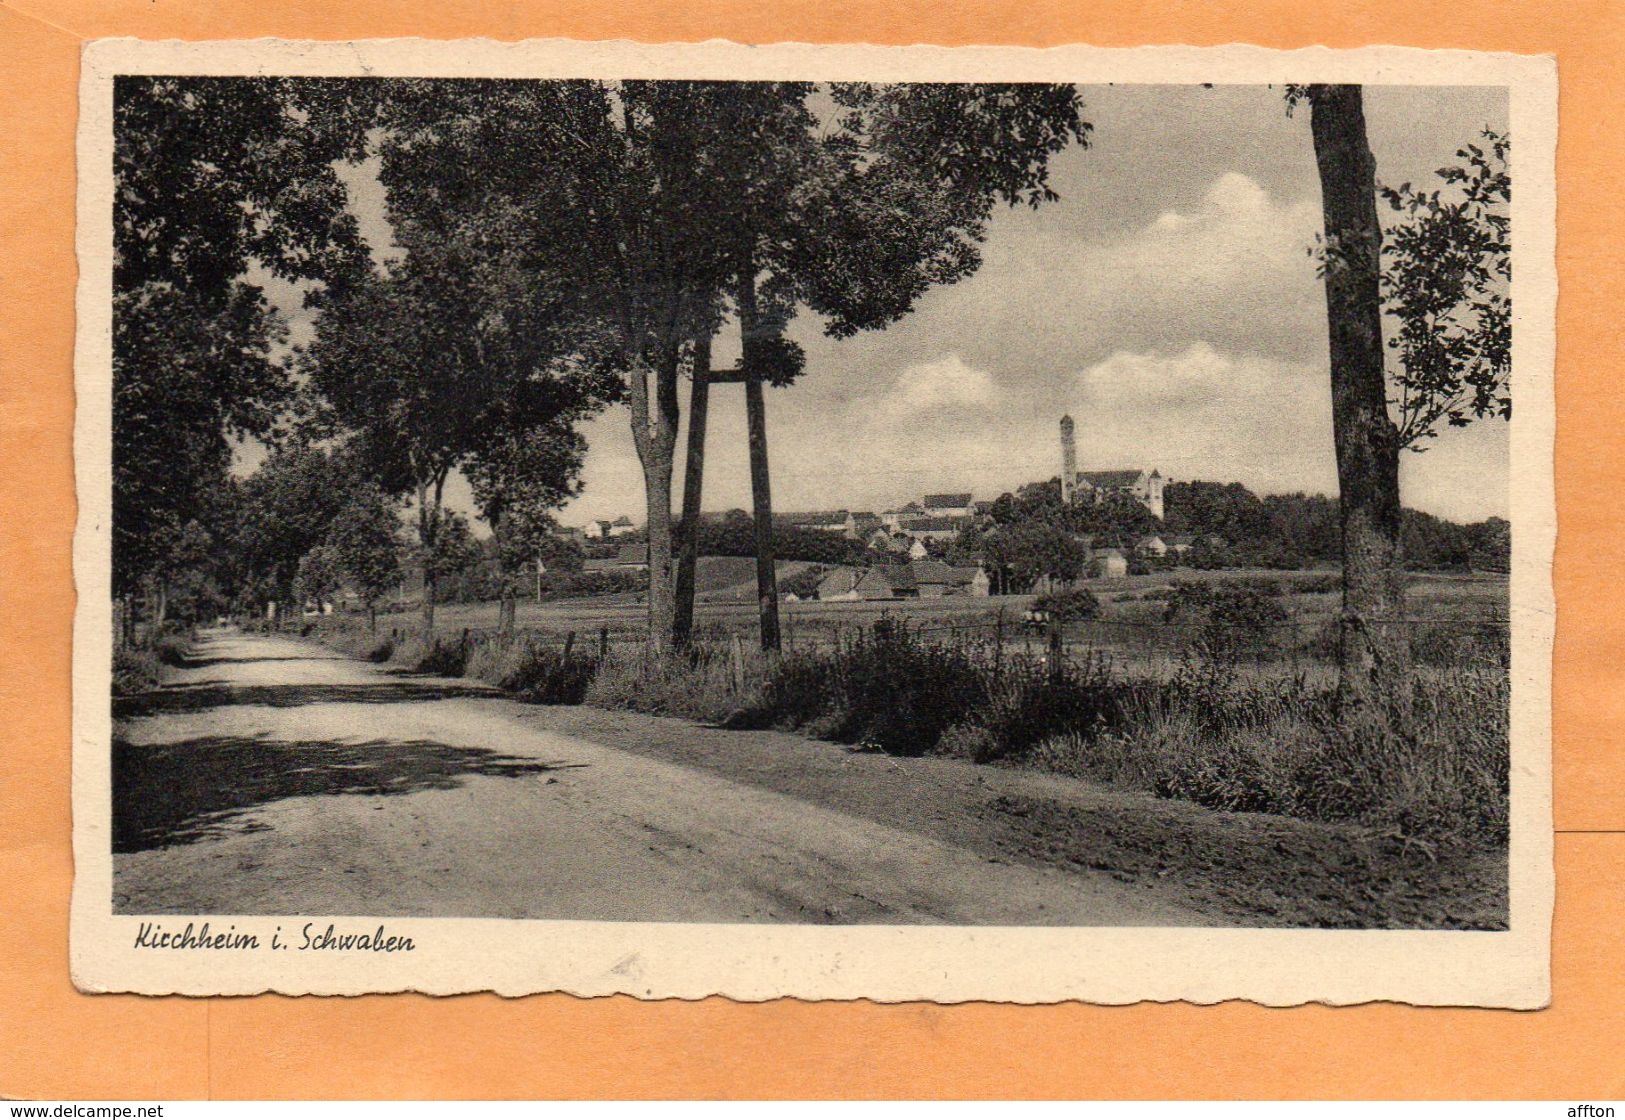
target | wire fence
[{"x": 1143, "y": 645}]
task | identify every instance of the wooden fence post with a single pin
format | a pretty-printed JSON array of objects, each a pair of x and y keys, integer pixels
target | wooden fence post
[
  {"x": 736, "y": 660},
  {"x": 603, "y": 645},
  {"x": 1054, "y": 648},
  {"x": 569, "y": 643}
]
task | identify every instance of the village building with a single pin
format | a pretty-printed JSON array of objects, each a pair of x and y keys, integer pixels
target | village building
[
  {"x": 937, "y": 579},
  {"x": 1078, "y": 486},
  {"x": 933, "y": 528},
  {"x": 947, "y": 505},
  {"x": 839, "y": 585},
  {"x": 917, "y": 550},
  {"x": 1152, "y": 547},
  {"x": 916, "y": 579},
  {"x": 821, "y": 521},
  {"x": 892, "y": 519},
  {"x": 620, "y": 527},
  {"x": 888, "y": 581}
]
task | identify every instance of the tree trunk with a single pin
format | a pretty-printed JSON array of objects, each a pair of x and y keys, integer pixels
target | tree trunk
[
  {"x": 426, "y": 538},
  {"x": 654, "y": 434},
  {"x": 761, "y": 499},
  {"x": 761, "y": 495},
  {"x": 1373, "y": 658},
  {"x": 688, "y": 559},
  {"x": 508, "y": 608},
  {"x": 508, "y": 612}
]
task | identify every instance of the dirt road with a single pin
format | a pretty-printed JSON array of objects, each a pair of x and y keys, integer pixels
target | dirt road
[{"x": 273, "y": 776}]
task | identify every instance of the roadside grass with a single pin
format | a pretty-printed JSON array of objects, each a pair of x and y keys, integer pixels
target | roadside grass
[
  {"x": 134, "y": 671},
  {"x": 1237, "y": 719}
]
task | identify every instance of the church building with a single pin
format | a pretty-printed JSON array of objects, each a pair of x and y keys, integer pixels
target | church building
[{"x": 1144, "y": 487}]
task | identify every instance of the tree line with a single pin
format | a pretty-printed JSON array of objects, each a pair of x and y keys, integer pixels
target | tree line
[{"x": 559, "y": 247}]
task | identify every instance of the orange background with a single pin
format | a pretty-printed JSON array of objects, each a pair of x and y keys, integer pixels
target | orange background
[{"x": 57, "y": 1043}]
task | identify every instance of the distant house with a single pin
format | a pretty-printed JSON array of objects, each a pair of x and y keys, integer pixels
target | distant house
[
  {"x": 893, "y": 518},
  {"x": 937, "y": 579},
  {"x": 1143, "y": 486},
  {"x": 865, "y": 524},
  {"x": 932, "y": 528},
  {"x": 620, "y": 527},
  {"x": 947, "y": 505},
  {"x": 1181, "y": 543},
  {"x": 595, "y": 530},
  {"x": 889, "y": 581},
  {"x": 840, "y": 584},
  {"x": 821, "y": 521},
  {"x": 1108, "y": 563},
  {"x": 1152, "y": 546},
  {"x": 917, "y": 550}
]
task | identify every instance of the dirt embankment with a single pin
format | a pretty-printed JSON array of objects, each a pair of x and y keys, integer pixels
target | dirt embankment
[{"x": 1235, "y": 868}]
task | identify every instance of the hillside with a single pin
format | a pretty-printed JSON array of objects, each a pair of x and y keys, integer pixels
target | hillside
[{"x": 726, "y": 578}]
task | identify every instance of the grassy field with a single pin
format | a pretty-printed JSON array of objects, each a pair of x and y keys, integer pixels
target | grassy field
[
  {"x": 1130, "y": 625},
  {"x": 1245, "y": 721}
]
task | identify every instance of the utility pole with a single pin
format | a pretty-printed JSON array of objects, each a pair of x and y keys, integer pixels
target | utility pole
[
  {"x": 688, "y": 554},
  {"x": 767, "y": 583}
]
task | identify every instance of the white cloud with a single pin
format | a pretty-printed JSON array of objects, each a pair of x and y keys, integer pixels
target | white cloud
[
  {"x": 1204, "y": 413},
  {"x": 946, "y": 384}
]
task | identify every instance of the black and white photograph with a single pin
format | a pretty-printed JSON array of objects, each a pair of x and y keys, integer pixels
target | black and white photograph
[{"x": 1028, "y": 525}]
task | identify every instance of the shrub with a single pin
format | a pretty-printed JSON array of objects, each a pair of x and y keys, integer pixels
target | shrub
[
  {"x": 171, "y": 649},
  {"x": 443, "y": 657},
  {"x": 1229, "y": 620},
  {"x": 1034, "y": 702},
  {"x": 134, "y": 671},
  {"x": 899, "y": 694},
  {"x": 797, "y": 692},
  {"x": 1068, "y": 606},
  {"x": 532, "y": 671},
  {"x": 697, "y": 685}
]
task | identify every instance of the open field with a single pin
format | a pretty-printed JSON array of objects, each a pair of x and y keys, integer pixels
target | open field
[{"x": 1130, "y": 628}]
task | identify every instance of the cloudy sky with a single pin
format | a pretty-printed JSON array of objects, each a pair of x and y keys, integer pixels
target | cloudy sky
[{"x": 1167, "y": 301}]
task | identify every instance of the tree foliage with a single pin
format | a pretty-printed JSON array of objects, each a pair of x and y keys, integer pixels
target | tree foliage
[
  {"x": 1446, "y": 278},
  {"x": 211, "y": 176},
  {"x": 652, "y": 205},
  {"x": 365, "y": 538}
]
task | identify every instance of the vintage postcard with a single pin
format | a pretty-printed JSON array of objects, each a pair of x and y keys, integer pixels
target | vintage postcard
[{"x": 832, "y": 522}]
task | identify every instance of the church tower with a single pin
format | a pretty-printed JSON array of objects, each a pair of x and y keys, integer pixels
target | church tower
[{"x": 1069, "y": 462}]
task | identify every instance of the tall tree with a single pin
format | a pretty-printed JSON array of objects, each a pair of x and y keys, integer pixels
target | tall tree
[
  {"x": 855, "y": 213},
  {"x": 520, "y": 477},
  {"x": 365, "y": 539},
  {"x": 449, "y": 357},
  {"x": 1446, "y": 278},
  {"x": 663, "y": 204},
  {"x": 1444, "y": 274},
  {"x": 284, "y": 510},
  {"x": 1374, "y": 657},
  {"x": 211, "y": 176}
]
